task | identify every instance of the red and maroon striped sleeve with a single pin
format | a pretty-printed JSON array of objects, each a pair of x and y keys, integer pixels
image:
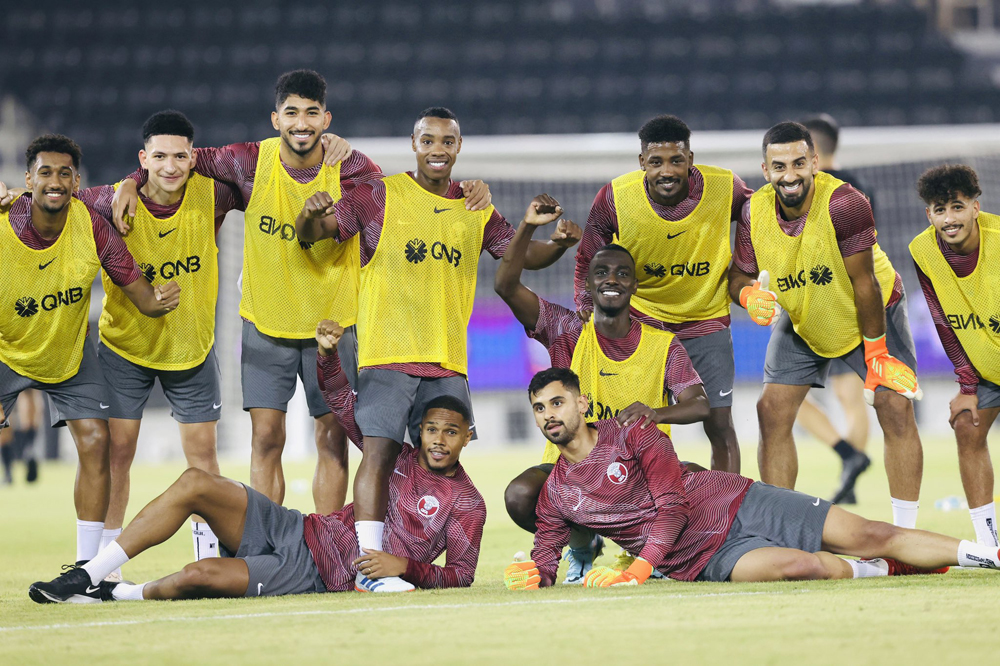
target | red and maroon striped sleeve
[
  {"x": 497, "y": 234},
  {"x": 553, "y": 322},
  {"x": 741, "y": 197},
  {"x": 115, "y": 258},
  {"x": 551, "y": 534},
  {"x": 227, "y": 198},
  {"x": 337, "y": 394},
  {"x": 744, "y": 257},
  {"x": 967, "y": 378},
  {"x": 680, "y": 374},
  {"x": 663, "y": 474},
  {"x": 601, "y": 228},
  {"x": 853, "y": 220},
  {"x": 356, "y": 169},
  {"x": 235, "y": 164},
  {"x": 98, "y": 199},
  {"x": 463, "y": 536}
]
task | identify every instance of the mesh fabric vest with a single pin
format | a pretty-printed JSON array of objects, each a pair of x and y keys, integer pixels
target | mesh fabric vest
[
  {"x": 417, "y": 290},
  {"x": 288, "y": 286},
  {"x": 971, "y": 304},
  {"x": 681, "y": 266},
  {"x": 611, "y": 386},
  {"x": 45, "y": 298},
  {"x": 180, "y": 248},
  {"x": 808, "y": 272}
]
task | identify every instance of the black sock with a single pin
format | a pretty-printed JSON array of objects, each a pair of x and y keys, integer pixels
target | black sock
[
  {"x": 7, "y": 454},
  {"x": 844, "y": 449}
]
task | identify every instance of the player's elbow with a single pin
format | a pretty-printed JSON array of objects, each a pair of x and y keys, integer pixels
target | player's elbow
[{"x": 700, "y": 408}]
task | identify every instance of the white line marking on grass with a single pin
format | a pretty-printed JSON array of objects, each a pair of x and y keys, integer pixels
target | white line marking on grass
[{"x": 382, "y": 609}]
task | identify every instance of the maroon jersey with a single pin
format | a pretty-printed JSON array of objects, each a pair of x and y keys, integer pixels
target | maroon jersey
[
  {"x": 632, "y": 489},
  {"x": 115, "y": 258},
  {"x": 602, "y": 228},
  {"x": 428, "y": 514},
  {"x": 363, "y": 212},
  {"x": 963, "y": 265},
  {"x": 853, "y": 223},
  {"x": 338, "y": 395},
  {"x": 559, "y": 328}
]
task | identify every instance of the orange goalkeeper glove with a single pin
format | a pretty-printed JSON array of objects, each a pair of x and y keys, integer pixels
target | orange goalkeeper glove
[
  {"x": 521, "y": 576},
  {"x": 636, "y": 574},
  {"x": 761, "y": 304},
  {"x": 888, "y": 371}
]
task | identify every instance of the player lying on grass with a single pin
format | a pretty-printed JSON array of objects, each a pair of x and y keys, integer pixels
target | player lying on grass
[
  {"x": 626, "y": 483},
  {"x": 273, "y": 551}
]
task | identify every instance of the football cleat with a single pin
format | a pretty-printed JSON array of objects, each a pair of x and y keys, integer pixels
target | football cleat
[
  {"x": 897, "y": 568},
  {"x": 581, "y": 560},
  {"x": 853, "y": 467},
  {"x": 73, "y": 586},
  {"x": 363, "y": 583}
]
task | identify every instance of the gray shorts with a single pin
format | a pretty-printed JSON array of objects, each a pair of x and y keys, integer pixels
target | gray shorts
[
  {"x": 347, "y": 350},
  {"x": 712, "y": 358},
  {"x": 390, "y": 403},
  {"x": 790, "y": 361},
  {"x": 988, "y": 394},
  {"x": 769, "y": 517},
  {"x": 268, "y": 367},
  {"x": 195, "y": 395},
  {"x": 839, "y": 367},
  {"x": 82, "y": 396},
  {"x": 275, "y": 550}
]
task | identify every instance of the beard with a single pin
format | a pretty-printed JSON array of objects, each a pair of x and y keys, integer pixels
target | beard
[{"x": 793, "y": 201}]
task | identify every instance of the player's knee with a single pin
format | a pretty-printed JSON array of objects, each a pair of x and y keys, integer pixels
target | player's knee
[
  {"x": 895, "y": 413},
  {"x": 268, "y": 438},
  {"x": 719, "y": 421},
  {"x": 332, "y": 444},
  {"x": 877, "y": 536},
  {"x": 969, "y": 437},
  {"x": 198, "y": 578},
  {"x": 93, "y": 446},
  {"x": 772, "y": 411},
  {"x": 806, "y": 566},
  {"x": 380, "y": 452},
  {"x": 520, "y": 499},
  {"x": 194, "y": 482}
]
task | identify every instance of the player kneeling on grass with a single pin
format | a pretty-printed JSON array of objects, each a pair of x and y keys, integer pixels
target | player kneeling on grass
[
  {"x": 626, "y": 484},
  {"x": 269, "y": 550}
]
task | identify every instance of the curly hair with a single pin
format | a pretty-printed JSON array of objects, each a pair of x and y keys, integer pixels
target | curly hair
[{"x": 941, "y": 184}]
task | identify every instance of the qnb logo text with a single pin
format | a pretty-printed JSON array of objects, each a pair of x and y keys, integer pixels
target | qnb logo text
[
  {"x": 168, "y": 270},
  {"x": 416, "y": 251},
  {"x": 26, "y": 306},
  {"x": 598, "y": 411},
  {"x": 964, "y": 322},
  {"x": 284, "y": 231}
]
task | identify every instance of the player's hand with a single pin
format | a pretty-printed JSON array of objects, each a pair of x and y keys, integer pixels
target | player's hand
[
  {"x": 638, "y": 412},
  {"x": 542, "y": 210},
  {"x": 888, "y": 371},
  {"x": 477, "y": 194},
  {"x": 567, "y": 234},
  {"x": 6, "y": 197},
  {"x": 168, "y": 295},
  {"x": 760, "y": 303},
  {"x": 960, "y": 403},
  {"x": 335, "y": 149},
  {"x": 328, "y": 334},
  {"x": 584, "y": 314},
  {"x": 376, "y": 564},
  {"x": 318, "y": 206},
  {"x": 123, "y": 206},
  {"x": 521, "y": 576},
  {"x": 636, "y": 574}
]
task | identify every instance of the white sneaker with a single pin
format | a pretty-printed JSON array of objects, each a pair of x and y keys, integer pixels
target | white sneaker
[{"x": 363, "y": 583}]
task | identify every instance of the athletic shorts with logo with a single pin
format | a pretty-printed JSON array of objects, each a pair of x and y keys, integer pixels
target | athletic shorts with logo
[
  {"x": 195, "y": 395},
  {"x": 769, "y": 517},
  {"x": 712, "y": 358},
  {"x": 82, "y": 396},
  {"x": 392, "y": 403},
  {"x": 790, "y": 361},
  {"x": 269, "y": 366},
  {"x": 274, "y": 548}
]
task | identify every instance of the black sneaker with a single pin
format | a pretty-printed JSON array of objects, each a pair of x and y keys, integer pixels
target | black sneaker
[
  {"x": 72, "y": 587},
  {"x": 853, "y": 467},
  {"x": 32, "y": 470}
]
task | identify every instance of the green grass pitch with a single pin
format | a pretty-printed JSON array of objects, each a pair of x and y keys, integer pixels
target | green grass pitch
[{"x": 914, "y": 620}]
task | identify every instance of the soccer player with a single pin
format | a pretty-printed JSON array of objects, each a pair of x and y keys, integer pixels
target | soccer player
[
  {"x": 51, "y": 248},
  {"x": 847, "y": 386},
  {"x": 420, "y": 248},
  {"x": 842, "y": 298},
  {"x": 675, "y": 216},
  {"x": 614, "y": 354},
  {"x": 172, "y": 236},
  {"x": 960, "y": 277},
  {"x": 625, "y": 482},
  {"x": 18, "y": 443}
]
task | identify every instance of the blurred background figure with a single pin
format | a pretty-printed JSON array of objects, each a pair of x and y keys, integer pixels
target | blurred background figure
[{"x": 18, "y": 441}]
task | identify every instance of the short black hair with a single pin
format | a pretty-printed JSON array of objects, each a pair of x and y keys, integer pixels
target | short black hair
[
  {"x": 452, "y": 404},
  {"x": 786, "y": 132},
  {"x": 940, "y": 184},
  {"x": 665, "y": 129},
  {"x": 53, "y": 143},
  {"x": 437, "y": 112},
  {"x": 305, "y": 83},
  {"x": 614, "y": 247},
  {"x": 173, "y": 123},
  {"x": 542, "y": 379},
  {"x": 822, "y": 126}
]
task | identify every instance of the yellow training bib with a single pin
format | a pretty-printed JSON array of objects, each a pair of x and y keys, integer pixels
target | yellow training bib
[
  {"x": 971, "y": 304},
  {"x": 180, "y": 248},
  {"x": 289, "y": 286},
  {"x": 45, "y": 298},
  {"x": 681, "y": 266},
  {"x": 808, "y": 272},
  {"x": 417, "y": 290},
  {"x": 611, "y": 386}
]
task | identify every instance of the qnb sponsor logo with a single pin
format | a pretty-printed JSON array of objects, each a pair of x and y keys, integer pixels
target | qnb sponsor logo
[
  {"x": 964, "y": 322},
  {"x": 284, "y": 231},
  {"x": 598, "y": 411},
  {"x": 995, "y": 324},
  {"x": 416, "y": 251},
  {"x": 617, "y": 473},
  {"x": 26, "y": 306},
  {"x": 171, "y": 269},
  {"x": 792, "y": 281},
  {"x": 655, "y": 270},
  {"x": 821, "y": 275},
  {"x": 694, "y": 269}
]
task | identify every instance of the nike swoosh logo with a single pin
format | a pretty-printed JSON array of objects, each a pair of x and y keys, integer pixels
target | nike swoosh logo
[
  {"x": 816, "y": 503},
  {"x": 396, "y": 471},
  {"x": 167, "y": 233},
  {"x": 260, "y": 586},
  {"x": 103, "y": 406},
  {"x": 726, "y": 393},
  {"x": 607, "y": 374},
  {"x": 92, "y": 588},
  {"x": 42, "y": 267},
  {"x": 671, "y": 236},
  {"x": 216, "y": 406},
  {"x": 440, "y": 210}
]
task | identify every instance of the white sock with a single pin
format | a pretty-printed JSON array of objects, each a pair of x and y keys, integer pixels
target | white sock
[
  {"x": 369, "y": 534},
  {"x": 106, "y": 561},
  {"x": 107, "y": 536},
  {"x": 977, "y": 556},
  {"x": 88, "y": 539},
  {"x": 206, "y": 544},
  {"x": 126, "y": 592},
  {"x": 869, "y": 568},
  {"x": 904, "y": 513},
  {"x": 984, "y": 520}
]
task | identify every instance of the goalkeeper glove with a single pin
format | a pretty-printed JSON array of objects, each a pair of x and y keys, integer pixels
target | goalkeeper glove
[
  {"x": 888, "y": 371},
  {"x": 521, "y": 576},
  {"x": 761, "y": 304},
  {"x": 636, "y": 574}
]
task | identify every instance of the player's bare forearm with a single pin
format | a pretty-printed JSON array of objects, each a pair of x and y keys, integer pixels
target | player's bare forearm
[
  {"x": 153, "y": 301},
  {"x": 691, "y": 407},
  {"x": 542, "y": 254},
  {"x": 507, "y": 283},
  {"x": 867, "y": 293},
  {"x": 737, "y": 280},
  {"x": 317, "y": 220}
]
